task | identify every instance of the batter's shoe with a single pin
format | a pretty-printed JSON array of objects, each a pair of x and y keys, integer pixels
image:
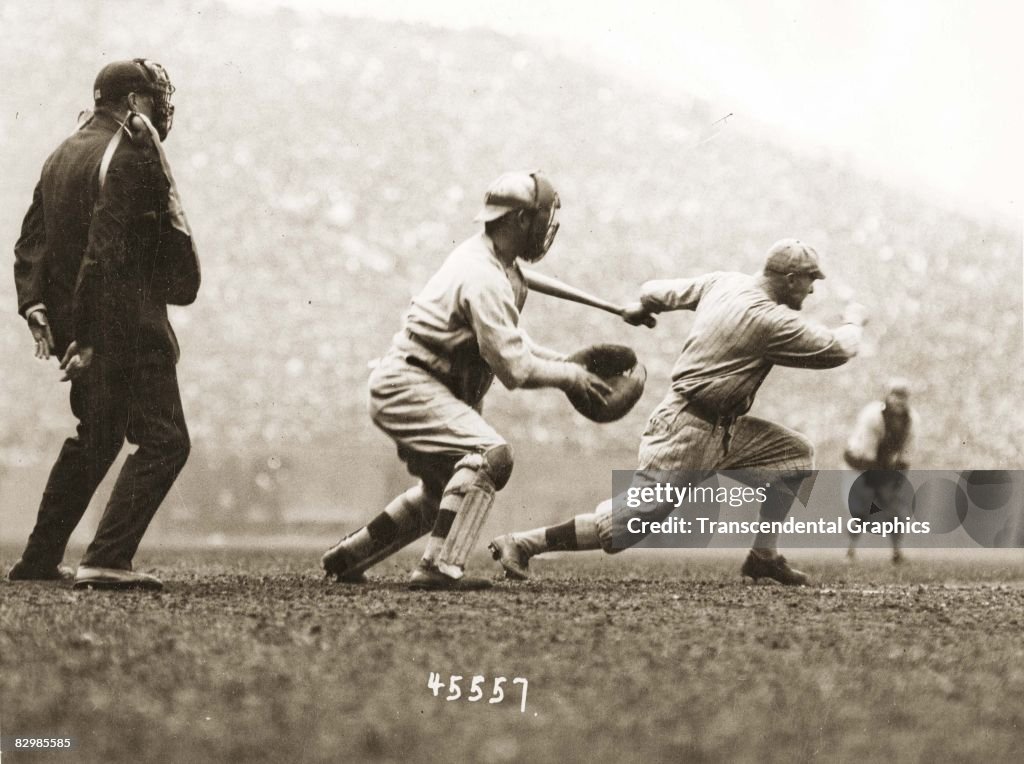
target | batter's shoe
[
  {"x": 339, "y": 564},
  {"x": 427, "y": 576},
  {"x": 512, "y": 557},
  {"x": 89, "y": 577},
  {"x": 22, "y": 572},
  {"x": 775, "y": 568}
]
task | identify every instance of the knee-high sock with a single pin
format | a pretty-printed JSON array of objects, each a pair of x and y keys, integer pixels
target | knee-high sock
[
  {"x": 574, "y": 535},
  {"x": 404, "y": 520}
]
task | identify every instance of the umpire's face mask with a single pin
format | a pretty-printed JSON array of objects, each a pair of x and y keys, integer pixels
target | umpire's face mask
[
  {"x": 544, "y": 226},
  {"x": 161, "y": 91}
]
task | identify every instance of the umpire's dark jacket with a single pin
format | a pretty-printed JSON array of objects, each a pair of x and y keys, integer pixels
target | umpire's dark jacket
[{"x": 105, "y": 261}]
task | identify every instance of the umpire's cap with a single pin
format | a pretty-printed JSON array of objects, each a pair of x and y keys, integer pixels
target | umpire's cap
[
  {"x": 119, "y": 78},
  {"x": 793, "y": 256}
]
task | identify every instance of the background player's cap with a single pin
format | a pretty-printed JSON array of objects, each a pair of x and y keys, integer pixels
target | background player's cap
[
  {"x": 793, "y": 256},
  {"x": 897, "y": 386},
  {"x": 511, "y": 191},
  {"x": 119, "y": 78}
]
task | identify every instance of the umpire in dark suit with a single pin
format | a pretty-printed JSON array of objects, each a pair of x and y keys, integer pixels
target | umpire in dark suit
[{"x": 104, "y": 248}]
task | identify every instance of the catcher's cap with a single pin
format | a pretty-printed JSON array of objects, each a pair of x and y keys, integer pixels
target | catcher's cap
[
  {"x": 119, "y": 78},
  {"x": 511, "y": 191},
  {"x": 793, "y": 256}
]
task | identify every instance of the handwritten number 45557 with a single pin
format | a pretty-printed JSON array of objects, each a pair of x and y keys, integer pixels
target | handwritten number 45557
[{"x": 475, "y": 693}]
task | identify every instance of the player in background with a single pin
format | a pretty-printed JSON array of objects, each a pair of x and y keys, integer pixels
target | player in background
[
  {"x": 880, "y": 444},
  {"x": 743, "y": 326},
  {"x": 427, "y": 392}
]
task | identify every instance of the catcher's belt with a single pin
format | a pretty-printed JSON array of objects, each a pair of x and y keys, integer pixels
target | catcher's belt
[{"x": 463, "y": 372}]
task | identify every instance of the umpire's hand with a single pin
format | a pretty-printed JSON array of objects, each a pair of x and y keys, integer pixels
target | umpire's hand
[
  {"x": 39, "y": 325},
  {"x": 75, "y": 362}
]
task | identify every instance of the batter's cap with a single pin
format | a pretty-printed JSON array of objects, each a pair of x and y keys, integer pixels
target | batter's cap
[
  {"x": 511, "y": 191},
  {"x": 793, "y": 256},
  {"x": 119, "y": 78}
]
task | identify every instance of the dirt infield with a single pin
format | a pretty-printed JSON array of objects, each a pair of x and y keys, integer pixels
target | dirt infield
[{"x": 250, "y": 656}]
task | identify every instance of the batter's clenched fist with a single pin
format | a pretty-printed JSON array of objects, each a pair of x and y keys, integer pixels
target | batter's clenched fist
[
  {"x": 635, "y": 314},
  {"x": 855, "y": 313}
]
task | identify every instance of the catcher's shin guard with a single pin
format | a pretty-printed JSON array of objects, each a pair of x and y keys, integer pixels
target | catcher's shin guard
[
  {"x": 403, "y": 521},
  {"x": 467, "y": 500}
]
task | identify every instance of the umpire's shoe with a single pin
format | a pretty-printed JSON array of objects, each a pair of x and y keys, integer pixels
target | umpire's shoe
[
  {"x": 427, "y": 576},
  {"x": 89, "y": 577},
  {"x": 776, "y": 568},
  {"x": 512, "y": 557},
  {"x": 339, "y": 563},
  {"x": 20, "y": 571}
]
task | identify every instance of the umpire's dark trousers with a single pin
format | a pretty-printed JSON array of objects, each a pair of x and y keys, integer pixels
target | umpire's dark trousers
[{"x": 139, "y": 402}]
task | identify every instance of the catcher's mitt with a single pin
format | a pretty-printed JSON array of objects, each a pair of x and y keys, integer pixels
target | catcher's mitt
[{"x": 618, "y": 367}]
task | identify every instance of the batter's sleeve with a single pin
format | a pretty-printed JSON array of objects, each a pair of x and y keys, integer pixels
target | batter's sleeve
[
  {"x": 790, "y": 340},
  {"x": 674, "y": 294}
]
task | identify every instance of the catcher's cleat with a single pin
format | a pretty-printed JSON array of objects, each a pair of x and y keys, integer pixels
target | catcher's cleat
[
  {"x": 427, "y": 576},
  {"x": 22, "y": 572},
  {"x": 512, "y": 557},
  {"x": 775, "y": 568},
  {"x": 341, "y": 565}
]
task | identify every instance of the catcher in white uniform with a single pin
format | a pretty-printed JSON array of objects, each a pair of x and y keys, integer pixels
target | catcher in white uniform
[{"x": 426, "y": 394}]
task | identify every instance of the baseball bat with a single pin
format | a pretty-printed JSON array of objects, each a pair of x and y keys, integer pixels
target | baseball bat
[{"x": 553, "y": 287}]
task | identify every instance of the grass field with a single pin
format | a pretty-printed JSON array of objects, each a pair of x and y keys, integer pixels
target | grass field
[{"x": 251, "y": 656}]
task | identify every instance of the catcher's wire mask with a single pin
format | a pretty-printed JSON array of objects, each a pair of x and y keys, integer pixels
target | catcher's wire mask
[{"x": 545, "y": 218}]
